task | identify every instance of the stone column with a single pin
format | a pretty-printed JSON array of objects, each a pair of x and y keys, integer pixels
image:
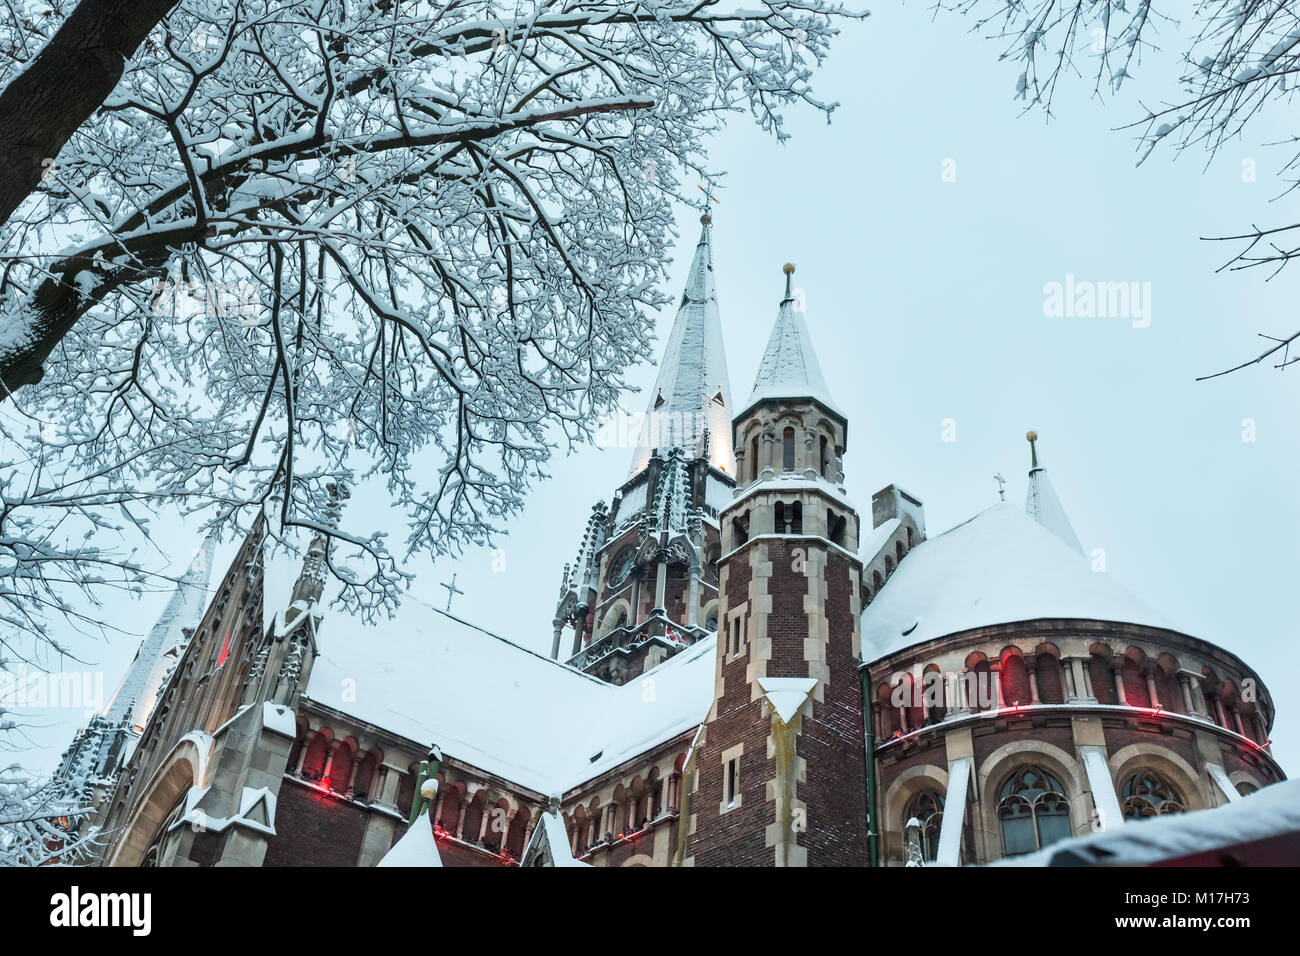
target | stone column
[
  {"x": 693, "y": 597},
  {"x": 555, "y": 642},
  {"x": 995, "y": 677},
  {"x": 1067, "y": 677},
  {"x": 963, "y": 691},
  {"x": 330, "y": 751},
  {"x": 460, "y": 816},
  {"x": 302, "y": 756},
  {"x": 1031, "y": 665},
  {"x": 1117, "y": 667},
  {"x": 352, "y": 777},
  {"x": 1185, "y": 682},
  {"x": 1261, "y": 731},
  {"x": 1150, "y": 675}
]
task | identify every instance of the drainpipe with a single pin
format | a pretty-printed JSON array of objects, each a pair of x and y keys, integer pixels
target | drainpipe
[{"x": 869, "y": 744}]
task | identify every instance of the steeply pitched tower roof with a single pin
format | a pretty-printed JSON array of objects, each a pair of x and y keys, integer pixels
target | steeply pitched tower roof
[
  {"x": 692, "y": 393},
  {"x": 1041, "y": 502},
  {"x": 136, "y": 695},
  {"x": 789, "y": 367}
]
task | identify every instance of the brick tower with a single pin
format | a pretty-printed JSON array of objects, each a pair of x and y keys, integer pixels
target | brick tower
[{"x": 778, "y": 767}]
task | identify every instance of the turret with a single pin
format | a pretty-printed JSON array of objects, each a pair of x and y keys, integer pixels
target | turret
[{"x": 779, "y": 763}]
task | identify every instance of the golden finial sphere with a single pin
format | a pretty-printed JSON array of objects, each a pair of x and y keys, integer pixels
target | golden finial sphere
[
  {"x": 1031, "y": 436},
  {"x": 706, "y": 219},
  {"x": 788, "y": 268}
]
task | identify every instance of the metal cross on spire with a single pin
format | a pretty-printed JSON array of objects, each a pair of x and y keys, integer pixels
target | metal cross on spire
[
  {"x": 708, "y": 196},
  {"x": 452, "y": 591},
  {"x": 1002, "y": 482}
]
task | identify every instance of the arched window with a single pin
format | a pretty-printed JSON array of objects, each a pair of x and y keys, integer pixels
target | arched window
[
  {"x": 1032, "y": 811},
  {"x": 615, "y": 620},
  {"x": 824, "y": 459},
  {"x": 1246, "y": 788},
  {"x": 837, "y": 524},
  {"x": 927, "y": 808},
  {"x": 877, "y": 581},
  {"x": 711, "y": 621},
  {"x": 1051, "y": 690},
  {"x": 779, "y": 511},
  {"x": 796, "y": 518},
  {"x": 787, "y": 449},
  {"x": 935, "y": 691},
  {"x": 739, "y": 530},
  {"x": 1147, "y": 794},
  {"x": 753, "y": 458}
]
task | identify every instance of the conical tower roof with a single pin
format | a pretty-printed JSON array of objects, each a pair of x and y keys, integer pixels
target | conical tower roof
[
  {"x": 789, "y": 367},
  {"x": 692, "y": 394},
  {"x": 1041, "y": 502}
]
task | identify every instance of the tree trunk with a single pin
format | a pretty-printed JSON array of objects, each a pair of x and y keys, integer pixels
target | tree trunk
[{"x": 64, "y": 84}]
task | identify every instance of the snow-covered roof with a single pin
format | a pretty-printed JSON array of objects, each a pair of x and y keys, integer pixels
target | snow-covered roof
[
  {"x": 1264, "y": 815},
  {"x": 692, "y": 392},
  {"x": 789, "y": 367},
  {"x": 999, "y": 567},
  {"x": 417, "y": 847},
  {"x": 433, "y": 678}
]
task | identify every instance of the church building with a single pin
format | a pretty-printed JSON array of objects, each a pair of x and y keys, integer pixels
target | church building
[{"x": 745, "y": 669}]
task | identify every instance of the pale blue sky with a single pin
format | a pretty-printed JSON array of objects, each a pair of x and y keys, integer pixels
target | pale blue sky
[{"x": 925, "y": 300}]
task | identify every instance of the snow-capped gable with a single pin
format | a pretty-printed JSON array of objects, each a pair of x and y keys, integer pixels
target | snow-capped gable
[
  {"x": 997, "y": 568},
  {"x": 417, "y": 847},
  {"x": 550, "y": 844}
]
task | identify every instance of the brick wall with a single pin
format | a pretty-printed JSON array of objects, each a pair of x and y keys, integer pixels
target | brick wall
[
  {"x": 832, "y": 743},
  {"x": 737, "y": 837},
  {"x": 313, "y": 829}
]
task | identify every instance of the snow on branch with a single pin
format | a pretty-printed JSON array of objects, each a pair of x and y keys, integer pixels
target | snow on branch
[{"x": 411, "y": 247}]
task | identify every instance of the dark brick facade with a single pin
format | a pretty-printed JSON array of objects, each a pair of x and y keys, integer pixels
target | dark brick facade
[{"x": 314, "y": 829}]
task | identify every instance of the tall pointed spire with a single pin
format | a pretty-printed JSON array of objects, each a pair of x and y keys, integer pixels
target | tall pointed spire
[
  {"x": 1041, "y": 502},
  {"x": 134, "y": 699},
  {"x": 692, "y": 395},
  {"x": 789, "y": 368}
]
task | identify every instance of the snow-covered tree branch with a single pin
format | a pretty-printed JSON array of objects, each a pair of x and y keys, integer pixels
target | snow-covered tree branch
[
  {"x": 1239, "y": 58},
  {"x": 36, "y": 822},
  {"x": 402, "y": 244}
]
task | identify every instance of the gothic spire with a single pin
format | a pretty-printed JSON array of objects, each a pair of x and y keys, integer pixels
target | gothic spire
[
  {"x": 789, "y": 368},
  {"x": 134, "y": 699},
  {"x": 692, "y": 395},
  {"x": 1041, "y": 502}
]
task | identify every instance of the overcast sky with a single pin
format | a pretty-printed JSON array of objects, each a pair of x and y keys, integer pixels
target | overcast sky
[{"x": 925, "y": 299}]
